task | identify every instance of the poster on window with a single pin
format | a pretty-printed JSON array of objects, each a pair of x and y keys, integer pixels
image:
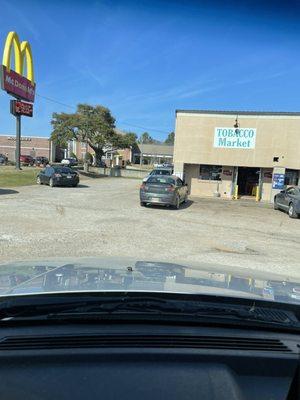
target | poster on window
[{"x": 278, "y": 181}]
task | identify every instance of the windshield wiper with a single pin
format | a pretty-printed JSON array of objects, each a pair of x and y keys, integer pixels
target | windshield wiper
[
  {"x": 141, "y": 306},
  {"x": 61, "y": 305}
]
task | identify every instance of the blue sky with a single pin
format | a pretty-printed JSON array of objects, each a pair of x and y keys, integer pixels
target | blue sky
[{"x": 145, "y": 59}]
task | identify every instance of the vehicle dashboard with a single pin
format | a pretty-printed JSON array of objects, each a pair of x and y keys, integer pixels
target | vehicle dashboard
[{"x": 123, "y": 360}]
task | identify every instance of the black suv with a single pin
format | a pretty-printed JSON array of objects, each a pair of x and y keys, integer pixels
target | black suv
[
  {"x": 41, "y": 161},
  {"x": 3, "y": 159}
]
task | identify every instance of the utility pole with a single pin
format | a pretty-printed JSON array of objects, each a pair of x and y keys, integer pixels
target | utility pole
[
  {"x": 86, "y": 164},
  {"x": 18, "y": 141}
]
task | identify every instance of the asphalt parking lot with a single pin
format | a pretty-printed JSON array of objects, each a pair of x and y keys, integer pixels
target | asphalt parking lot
[{"x": 103, "y": 217}]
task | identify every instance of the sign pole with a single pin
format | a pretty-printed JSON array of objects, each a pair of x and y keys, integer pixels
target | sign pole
[{"x": 18, "y": 141}]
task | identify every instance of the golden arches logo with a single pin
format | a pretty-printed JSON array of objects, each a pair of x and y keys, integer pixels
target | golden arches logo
[{"x": 22, "y": 51}]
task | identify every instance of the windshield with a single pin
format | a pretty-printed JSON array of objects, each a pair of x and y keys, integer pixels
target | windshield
[
  {"x": 159, "y": 180},
  {"x": 159, "y": 136}
]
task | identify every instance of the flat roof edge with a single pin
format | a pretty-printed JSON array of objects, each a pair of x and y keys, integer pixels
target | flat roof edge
[
  {"x": 236, "y": 112},
  {"x": 25, "y": 136}
]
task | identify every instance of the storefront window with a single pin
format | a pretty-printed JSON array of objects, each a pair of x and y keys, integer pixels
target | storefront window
[
  {"x": 210, "y": 172},
  {"x": 291, "y": 177}
]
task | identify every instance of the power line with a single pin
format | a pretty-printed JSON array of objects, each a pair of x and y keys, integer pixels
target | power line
[
  {"x": 122, "y": 122},
  {"x": 56, "y": 101},
  {"x": 142, "y": 127}
]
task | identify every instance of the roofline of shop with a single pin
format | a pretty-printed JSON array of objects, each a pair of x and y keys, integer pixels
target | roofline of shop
[
  {"x": 26, "y": 136},
  {"x": 277, "y": 113}
]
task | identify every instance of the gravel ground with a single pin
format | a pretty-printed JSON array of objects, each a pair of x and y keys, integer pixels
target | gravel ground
[{"x": 102, "y": 217}]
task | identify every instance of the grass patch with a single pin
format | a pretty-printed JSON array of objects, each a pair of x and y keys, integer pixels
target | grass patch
[{"x": 10, "y": 177}]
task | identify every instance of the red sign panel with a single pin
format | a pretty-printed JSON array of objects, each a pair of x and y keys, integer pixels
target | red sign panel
[
  {"x": 18, "y": 107},
  {"x": 227, "y": 172},
  {"x": 17, "y": 85},
  {"x": 268, "y": 174}
]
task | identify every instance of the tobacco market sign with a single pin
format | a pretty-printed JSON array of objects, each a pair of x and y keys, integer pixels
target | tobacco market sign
[{"x": 235, "y": 138}]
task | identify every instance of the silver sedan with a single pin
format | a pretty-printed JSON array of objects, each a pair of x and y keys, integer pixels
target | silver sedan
[{"x": 288, "y": 200}]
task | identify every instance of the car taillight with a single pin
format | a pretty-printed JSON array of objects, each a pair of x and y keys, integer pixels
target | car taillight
[
  {"x": 170, "y": 189},
  {"x": 57, "y": 175},
  {"x": 144, "y": 187}
]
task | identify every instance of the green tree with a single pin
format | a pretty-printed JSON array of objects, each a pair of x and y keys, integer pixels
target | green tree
[
  {"x": 170, "y": 138},
  {"x": 91, "y": 124},
  {"x": 126, "y": 140},
  {"x": 146, "y": 138}
]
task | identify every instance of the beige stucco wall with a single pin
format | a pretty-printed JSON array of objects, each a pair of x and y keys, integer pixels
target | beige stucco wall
[
  {"x": 266, "y": 194},
  {"x": 199, "y": 187},
  {"x": 276, "y": 136}
]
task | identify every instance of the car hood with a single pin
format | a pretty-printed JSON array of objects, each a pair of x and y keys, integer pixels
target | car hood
[{"x": 124, "y": 274}]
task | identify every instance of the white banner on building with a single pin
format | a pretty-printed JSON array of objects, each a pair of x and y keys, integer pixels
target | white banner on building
[{"x": 235, "y": 138}]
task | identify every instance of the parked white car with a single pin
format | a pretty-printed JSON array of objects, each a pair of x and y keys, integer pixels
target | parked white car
[
  {"x": 164, "y": 165},
  {"x": 69, "y": 161}
]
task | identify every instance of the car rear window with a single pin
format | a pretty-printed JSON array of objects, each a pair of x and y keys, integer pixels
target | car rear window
[
  {"x": 161, "y": 172},
  {"x": 64, "y": 170},
  {"x": 161, "y": 180}
]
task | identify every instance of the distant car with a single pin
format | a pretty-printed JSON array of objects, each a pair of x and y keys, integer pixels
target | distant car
[
  {"x": 167, "y": 165},
  {"x": 288, "y": 200},
  {"x": 101, "y": 164},
  {"x": 69, "y": 161},
  {"x": 3, "y": 159},
  {"x": 163, "y": 190},
  {"x": 38, "y": 161},
  {"x": 58, "y": 176},
  {"x": 26, "y": 160},
  {"x": 158, "y": 171},
  {"x": 163, "y": 165}
]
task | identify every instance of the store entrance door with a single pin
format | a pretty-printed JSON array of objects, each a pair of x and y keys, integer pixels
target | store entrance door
[{"x": 248, "y": 180}]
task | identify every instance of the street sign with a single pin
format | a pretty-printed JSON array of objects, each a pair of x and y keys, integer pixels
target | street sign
[{"x": 18, "y": 107}]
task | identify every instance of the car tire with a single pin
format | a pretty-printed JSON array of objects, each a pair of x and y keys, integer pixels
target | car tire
[
  {"x": 51, "y": 182},
  {"x": 275, "y": 205},
  {"x": 38, "y": 180},
  {"x": 292, "y": 213},
  {"x": 142, "y": 204},
  {"x": 75, "y": 185}
]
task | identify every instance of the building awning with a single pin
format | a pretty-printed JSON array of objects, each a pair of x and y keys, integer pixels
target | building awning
[{"x": 155, "y": 150}]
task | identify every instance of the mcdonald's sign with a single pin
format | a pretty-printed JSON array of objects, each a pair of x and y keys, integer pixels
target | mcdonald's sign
[
  {"x": 14, "y": 82},
  {"x": 18, "y": 107}
]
